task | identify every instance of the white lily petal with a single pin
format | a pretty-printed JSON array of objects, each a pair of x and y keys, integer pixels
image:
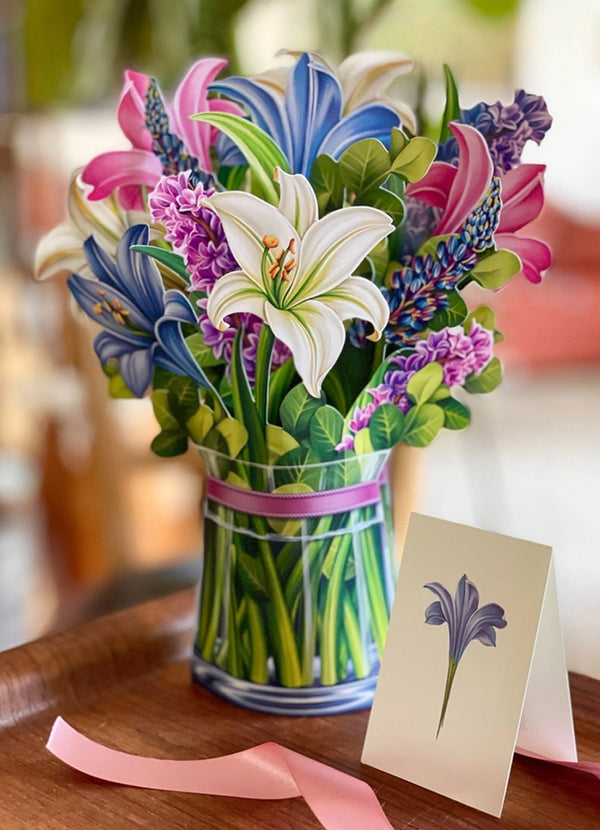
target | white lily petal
[
  {"x": 246, "y": 220},
  {"x": 104, "y": 218},
  {"x": 365, "y": 75},
  {"x": 333, "y": 247},
  {"x": 234, "y": 293},
  {"x": 314, "y": 334},
  {"x": 359, "y": 297},
  {"x": 275, "y": 79},
  {"x": 407, "y": 116},
  {"x": 297, "y": 200},
  {"x": 60, "y": 250}
]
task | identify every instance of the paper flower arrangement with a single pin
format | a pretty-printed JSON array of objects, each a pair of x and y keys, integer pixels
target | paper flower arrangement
[
  {"x": 288, "y": 244},
  {"x": 279, "y": 262}
]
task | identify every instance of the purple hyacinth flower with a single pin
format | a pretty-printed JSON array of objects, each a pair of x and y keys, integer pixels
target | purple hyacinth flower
[{"x": 466, "y": 623}]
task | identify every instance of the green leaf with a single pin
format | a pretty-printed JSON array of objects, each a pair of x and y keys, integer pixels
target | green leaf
[
  {"x": 364, "y": 165},
  {"x": 168, "y": 258},
  {"x": 297, "y": 409},
  {"x": 362, "y": 442},
  {"x": 386, "y": 426},
  {"x": 327, "y": 184},
  {"x": 487, "y": 380},
  {"x": 415, "y": 159},
  {"x": 486, "y": 317},
  {"x": 202, "y": 353},
  {"x": 326, "y": 427},
  {"x": 117, "y": 388},
  {"x": 425, "y": 383},
  {"x": 279, "y": 384},
  {"x": 456, "y": 414},
  {"x": 279, "y": 442},
  {"x": 422, "y": 424},
  {"x": 398, "y": 142},
  {"x": 452, "y": 108},
  {"x": 259, "y": 149},
  {"x": 232, "y": 178},
  {"x": 235, "y": 434},
  {"x": 215, "y": 440},
  {"x": 454, "y": 315},
  {"x": 183, "y": 398},
  {"x": 162, "y": 411},
  {"x": 384, "y": 200},
  {"x": 495, "y": 270},
  {"x": 252, "y": 577},
  {"x": 243, "y": 404},
  {"x": 200, "y": 424},
  {"x": 170, "y": 442}
]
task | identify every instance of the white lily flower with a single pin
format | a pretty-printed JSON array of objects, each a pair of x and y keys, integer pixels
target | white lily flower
[
  {"x": 365, "y": 76},
  {"x": 62, "y": 248},
  {"x": 296, "y": 271}
]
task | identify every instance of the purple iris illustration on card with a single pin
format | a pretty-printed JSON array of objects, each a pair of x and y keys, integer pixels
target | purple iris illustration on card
[{"x": 466, "y": 623}]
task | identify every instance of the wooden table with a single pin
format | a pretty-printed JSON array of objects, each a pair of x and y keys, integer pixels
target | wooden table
[{"x": 124, "y": 681}]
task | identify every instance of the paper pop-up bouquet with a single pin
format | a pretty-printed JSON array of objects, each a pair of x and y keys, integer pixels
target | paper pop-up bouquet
[{"x": 279, "y": 262}]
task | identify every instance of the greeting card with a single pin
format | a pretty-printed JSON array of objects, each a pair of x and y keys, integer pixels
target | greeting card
[{"x": 473, "y": 634}]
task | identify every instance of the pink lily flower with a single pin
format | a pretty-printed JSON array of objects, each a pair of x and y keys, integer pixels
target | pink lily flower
[
  {"x": 139, "y": 167},
  {"x": 457, "y": 190}
]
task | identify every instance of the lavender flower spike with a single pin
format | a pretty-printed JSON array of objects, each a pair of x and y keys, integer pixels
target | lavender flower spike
[{"x": 466, "y": 622}]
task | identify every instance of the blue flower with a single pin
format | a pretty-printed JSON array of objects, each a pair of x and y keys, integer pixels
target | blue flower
[
  {"x": 142, "y": 321},
  {"x": 309, "y": 121},
  {"x": 466, "y": 622}
]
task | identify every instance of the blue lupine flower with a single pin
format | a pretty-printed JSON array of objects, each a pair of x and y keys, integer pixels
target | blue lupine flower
[
  {"x": 466, "y": 622},
  {"x": 141, "y": 320},
  {"x": 421, "y": 289},
  {"x": 309, "y": 122}
]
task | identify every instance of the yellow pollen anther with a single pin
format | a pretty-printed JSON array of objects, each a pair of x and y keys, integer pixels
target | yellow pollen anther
[
  {"x": 117, "y": 304},
  {"x": 98, "y": 308},
  {"x": 273, "y": 270},
  {"x": 119, "y": 317},
  {"x": 289, "y": 265},
  {"x": 270, "y": 241}
]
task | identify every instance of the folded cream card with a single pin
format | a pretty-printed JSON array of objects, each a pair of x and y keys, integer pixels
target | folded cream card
[{"x": 474, "y": 619}]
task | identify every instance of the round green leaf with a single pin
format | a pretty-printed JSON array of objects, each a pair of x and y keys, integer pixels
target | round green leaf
[{"x": 422, "y": 424}]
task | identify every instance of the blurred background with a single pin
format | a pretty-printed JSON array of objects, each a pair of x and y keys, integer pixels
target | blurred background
[{"x": 90, "y": 520}]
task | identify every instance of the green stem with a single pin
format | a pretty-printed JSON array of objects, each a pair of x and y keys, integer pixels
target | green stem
[
  {"x": 234, "y": 657},
  {"x": 258, "y": 645},
  {"x": 209, "y": 638},
  {"x": 284, "y": 642},
  {"x": 356, "y": 647},
  {"x": 452, "y": 666},
  {"x": 332, "y": 613},
  {"x": 378, "y": 606},
  {"x": 264, "y": 350}
]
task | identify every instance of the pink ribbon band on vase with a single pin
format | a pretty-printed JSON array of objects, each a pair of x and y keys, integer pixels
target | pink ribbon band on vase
[
  {"x": 295, "y": 505},
  {"x": 268, "y": 772}
]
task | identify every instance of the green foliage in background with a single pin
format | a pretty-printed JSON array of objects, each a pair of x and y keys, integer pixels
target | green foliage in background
[{"x": 78, "y": 55}]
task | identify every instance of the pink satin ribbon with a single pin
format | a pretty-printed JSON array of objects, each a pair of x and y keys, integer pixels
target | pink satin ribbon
[
  {"x": 268, "y": 771},
  {"x": 294, "y": 505},
  {"x": 592, "y": 767}
]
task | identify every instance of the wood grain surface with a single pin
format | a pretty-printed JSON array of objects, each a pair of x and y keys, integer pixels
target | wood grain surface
[{"x": 124, "y": 681}]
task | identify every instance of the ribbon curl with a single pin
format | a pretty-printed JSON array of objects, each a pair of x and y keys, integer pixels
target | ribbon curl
[{"x": 268, "y": 771}]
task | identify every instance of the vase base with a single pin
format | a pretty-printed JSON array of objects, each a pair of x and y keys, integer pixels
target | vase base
[{"x": 347, "y": 696}]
